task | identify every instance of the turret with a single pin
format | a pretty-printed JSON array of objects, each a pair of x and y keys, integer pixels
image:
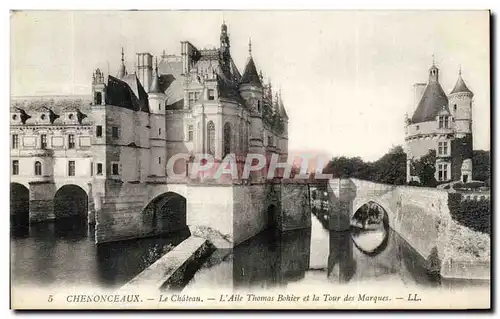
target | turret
[
  {"x": 98, "y": 88},
  {"x": 252, "y": 92},
  {"x": 224, "y": 50},
  {"x": 158, "y": 132},
  {"x": 122, "y": 70},
  {"x": 460, "y": 104}
]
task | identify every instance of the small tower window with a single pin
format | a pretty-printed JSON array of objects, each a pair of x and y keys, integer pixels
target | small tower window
[
  {"x": 190, "y": 133},
  {"x": 159, "y": 160},
  {"x": 99, "y": 169},
  {"x": 43, "y": 141},
  {"x": 454, "y": 107},
  {"x": 159, "y": 132},
  {"x": 98, "y": 131},
  {"x": 98, "y": 98},
  {"x": 258, "y": 105},
  {"x": 211, "y": 94},
  {"x": 71, "y": 116},
  {"x": 42, "y": 117},
  {"x": 38, "y": 168},
  {"x": 15, "y": 167},
  {"x": 159, "y": 106}
]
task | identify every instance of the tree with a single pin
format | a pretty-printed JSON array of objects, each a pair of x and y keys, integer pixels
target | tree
[
  {"x": 389, "y": 169},
  {"x": 481, "y": 170},
  {"x": 425, "y": 169}
]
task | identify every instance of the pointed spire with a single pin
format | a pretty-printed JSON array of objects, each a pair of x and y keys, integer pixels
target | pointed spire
[
  {"x": 250, "y": 74},
  {"x": 433, "y": 71},
  {"x": 460, "y": 86},
  {"x": 155, "y": 84},
  {"x": 282, "y": 107},
  {"x": 122, "y": 71}
]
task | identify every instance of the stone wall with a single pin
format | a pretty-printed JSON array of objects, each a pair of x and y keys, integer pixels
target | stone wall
[
  {"x": 250, "y": 211},
  {"x": 210, "y": 213},
  {"x": 421, "y": 216}
]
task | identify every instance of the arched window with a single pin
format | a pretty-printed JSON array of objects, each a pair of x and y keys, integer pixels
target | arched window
[
  {"x": 242, "y": 139},
  {"x": 38, "y": 168},
  {"x": 98, "y": 98},
  {"x": 227, "y": 139},
  {"x": 211, "y": 137}
]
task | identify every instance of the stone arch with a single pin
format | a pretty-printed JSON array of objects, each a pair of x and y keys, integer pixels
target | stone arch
[
  {"x": 372, "y": 205},
  {"x": 166, "y": 213},
  {"x": 19, "y": 205},
  {"x": 70, "y": 201},
  {"x": 373, "y": 236}
]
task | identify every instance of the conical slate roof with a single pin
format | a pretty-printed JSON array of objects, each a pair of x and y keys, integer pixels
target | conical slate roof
[
  {"x": 430, "y": 104},
  {"x": 460, "y": 86},
  {"x": 250, "y": 75},
  {"x": 282, "y": 109}
]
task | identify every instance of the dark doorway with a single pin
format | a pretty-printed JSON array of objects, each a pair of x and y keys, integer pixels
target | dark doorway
[
  {"x": 272, "y": 217},
  {"x": 19, "y": 205},
  {"x": 464, "y": 178}
]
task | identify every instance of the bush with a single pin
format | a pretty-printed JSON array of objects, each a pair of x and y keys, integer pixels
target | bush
[
  {"x": 474, "y": 214},
  {"x": 413, "y": 183},
  {"x": 458, "y": 185}
]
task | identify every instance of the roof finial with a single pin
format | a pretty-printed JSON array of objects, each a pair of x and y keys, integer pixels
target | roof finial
[
  {"x": 223, "y": 20},
  {"x": 250, "y": 46},
  {"x": 123, "y": 59},
  {"x": 433, "y": 60},
  {"x": 460, "y": 69}
]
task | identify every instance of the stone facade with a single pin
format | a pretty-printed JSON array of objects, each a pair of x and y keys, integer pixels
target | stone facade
[
  {"x": 115, "y": 144},
  {"x": 442, "y": 123}
]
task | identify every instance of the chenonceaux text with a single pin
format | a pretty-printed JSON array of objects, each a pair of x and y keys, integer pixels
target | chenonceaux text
[{"x": 103, "y": 298}]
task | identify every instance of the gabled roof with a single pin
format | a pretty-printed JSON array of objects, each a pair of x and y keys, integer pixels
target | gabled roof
[
  {"x": 460, "y": 86},
  {"x": 430, "y": 104},
  {"x": 250, "y": 74}
]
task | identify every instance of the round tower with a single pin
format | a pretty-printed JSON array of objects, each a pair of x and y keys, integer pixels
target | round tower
[
  {"x": 158, "y": 132},
  {"x": 460, "y": 104}
]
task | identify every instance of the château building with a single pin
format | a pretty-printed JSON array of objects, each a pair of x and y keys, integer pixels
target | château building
[
  {"x": 131, "y": 124},
  {"x": 441, "y": 122}
]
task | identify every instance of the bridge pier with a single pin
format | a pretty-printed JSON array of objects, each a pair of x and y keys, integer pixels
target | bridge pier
[
  {"x": 341, "y": 195},
  {"x": 41, "y": 206}
]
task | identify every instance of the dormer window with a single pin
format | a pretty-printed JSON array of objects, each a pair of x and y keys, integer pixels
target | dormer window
[
  {"x": 14, "y": 117},
  {"x": 43, "y": 117},
  {"x": 71, "y": 116},
  {"x": 211, "y": 94},
  {"x": 443, "y": 121}
]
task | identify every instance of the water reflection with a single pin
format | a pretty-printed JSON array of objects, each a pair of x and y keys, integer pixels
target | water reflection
[
  {"x": 271, "y": 259},
  {"x": 64, "y": 253}
]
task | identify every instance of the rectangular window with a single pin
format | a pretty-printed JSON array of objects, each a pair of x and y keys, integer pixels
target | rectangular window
[
  {"x": 190, "y": 133},
  {"x": 98, "y": 131},
  {"x": 99, "y": 169},
  {"x": 71, "y": 141},
  {"x": 43, "y": 141},
  {"x": 441, "y": 121},
  {"x": 71, "y": 168},
  {"x": 196, "y": 96},
  {"x": 15, "y": 167},
  {"x": 114, "y": 132},
  {"x": 211, "y": 94},
  {"x": 91, "y": 168},
  {"x": 115, "y": 169},
  {"x": 446, "y": 122},
  {"x": 443, "y": 148},
  {"x": 192, "y": 98},
  {"x": 15, "y": 141},
  {"x": 159, "y": 132},
  {"x": 442, "y": 172},
  {"x": 159, "y": 160}
]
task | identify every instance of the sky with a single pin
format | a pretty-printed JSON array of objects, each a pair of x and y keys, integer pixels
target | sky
[{"x": 346, "y": 76}]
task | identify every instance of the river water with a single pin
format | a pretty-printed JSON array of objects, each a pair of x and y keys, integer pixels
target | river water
[{"x": 64, "y": 253}]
